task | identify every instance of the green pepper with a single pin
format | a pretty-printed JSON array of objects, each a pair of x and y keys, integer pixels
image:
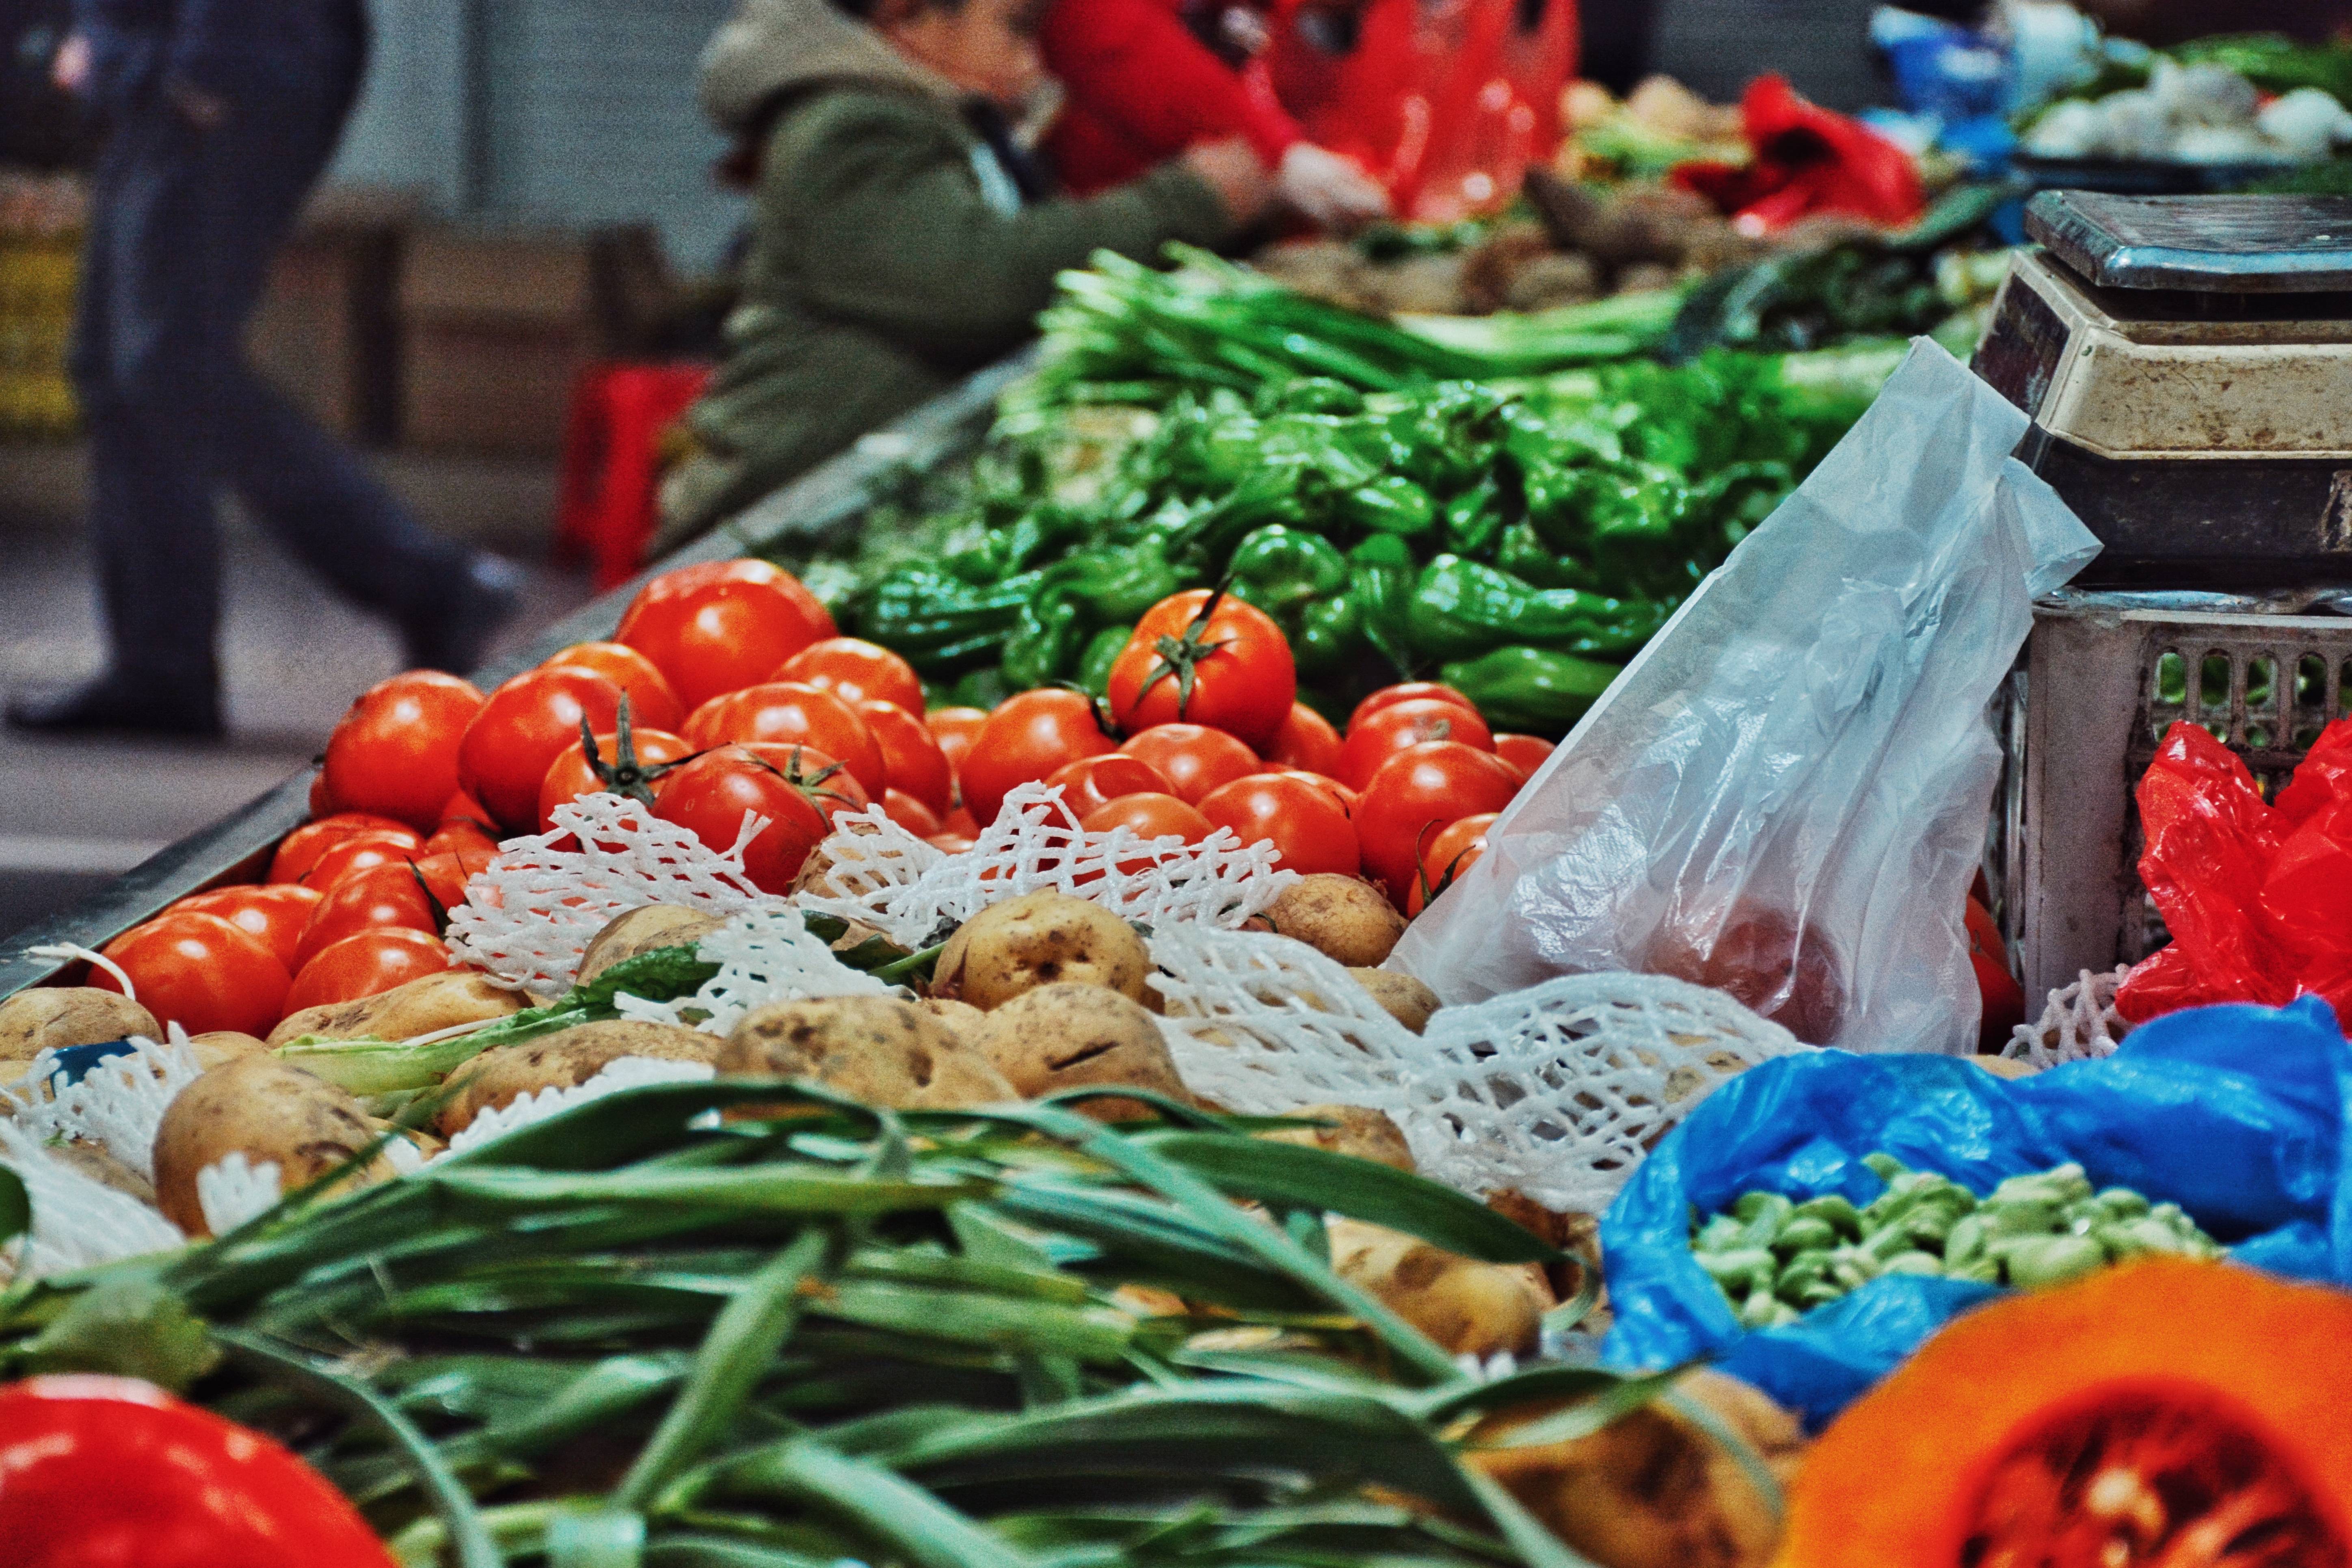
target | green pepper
[
  {"x": 1462, "y": 607},
  {"x": 1530, "y": 689},
  {"x": 936, "y": 620},
  {"x": 1102, "y": 651},
  {"x": 1524, "y": 555},
  {"x": 1380, "y": 582},
  {"x": 1282, "y": 570},
  {"x": 1474, "y": 520},
  {"x": 1330, "y": 634},
  {"x": 1390, "y": 504},
  {"x": 1043, "y": 646},
  {"x": 1116, "y": 582}
]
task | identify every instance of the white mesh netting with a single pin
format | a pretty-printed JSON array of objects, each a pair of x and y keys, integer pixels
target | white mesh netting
[
  {"x": 2079, "y": 1024},
  {"x": 625, "y": 1072},
  {"x": 1556, "y": 1090},
  {"x": 79, "y": 1221},
  {"x": 885, "y": 876},
  {"x": 530, "y": 915},
  {"x": 763, "y": 956},
  {"x": 234, "y": 1189},
  {"x": 117, "y": 1104}
]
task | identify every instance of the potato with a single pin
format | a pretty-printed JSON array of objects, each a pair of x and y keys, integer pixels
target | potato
[
  {"x": 1069, "y": 1035},
  {"x": 815, "y": 873},
  {"x": 436, "y": 1001},
  {"x": 53, "y": 1017},
  {"x": 94, "y": 1160},
  {"x": 1400, "y": 996},
  {"x": 643, "y": 930},
  {"x": 1366, "y": 1134},
  {"x": 1345, "y": 918},
  {"x": 961, "y": 1017},
  {"x": 504, "y": 1074},
  {"x": 1039, "y": 939},
  {"x": 1467, "y": 1307},
  {"x": 2004, "y": 1067},
  {"x": 274, "y": 1113},
  {"x": 1654, "y": 1489},
  {"x": 217, "y": 1047},
  {"x": 878, "y": 1049}
]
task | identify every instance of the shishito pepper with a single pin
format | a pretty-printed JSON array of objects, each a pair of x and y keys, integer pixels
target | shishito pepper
[
  {"x": 936, "y": 620},
  {"x": 1380, "y": 579},
  {"x": 1282, "y": 570},
  {"x": 1530, "y": 689},
  {"x": 1461, "y": 607}
]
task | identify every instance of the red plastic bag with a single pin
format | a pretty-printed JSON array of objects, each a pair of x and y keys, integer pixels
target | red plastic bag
[
  {"x": 2258, "y": 897},
  {"x": 1808, "y": 160}
]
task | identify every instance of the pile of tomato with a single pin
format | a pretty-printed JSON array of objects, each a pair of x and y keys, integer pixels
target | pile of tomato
[{"x": 727, "y": 690}]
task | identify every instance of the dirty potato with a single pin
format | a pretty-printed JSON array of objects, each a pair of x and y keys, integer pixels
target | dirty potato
[
  {"x": 1400, "y": 996},
  {"x": 436, "y": 1001},
  {"x": 1468, "y": 1306},
  {"x": 961, "y": 1017},
  {"x": 1040, "y": 939},
  {"x": 2005, "y": 1067},
  {"x": 216, "y": 1047},
  {"x": 1366, "y": 1134},
  {"x": 504, "y": 1074},
  {"x": 273, "y": 1114},
  {"x": 1345, "y": 918},
  {"x": 647, "y": 929},
  {"x": 875, "y": 1049},
  {"x": 1654, "y": 1489},
  {"x": 53, "y": 1017},
  {"x": 1069, "y": 1035}
]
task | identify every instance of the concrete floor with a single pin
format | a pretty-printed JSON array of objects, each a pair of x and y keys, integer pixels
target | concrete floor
[{"x": 73, "y": 813}]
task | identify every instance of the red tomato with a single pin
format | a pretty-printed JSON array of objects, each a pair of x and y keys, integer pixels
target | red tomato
[
  {"x": 463, "y": 807},
  {"x": 2001, "y": 999},
  {"x": 1324, "y": 781},
  {"x": 1094, "y": 782},
  {"x": 300, "y": 850},
  {"x": 447, "y": 873},
  {"x": 1193, "y": 758},
  {"x": 457, "y": 837},
  {"x": 199, "y": 972},
  {"x": 366, "y": 964},
  {"x": 1408, "y": 692},
  {"x": 569, "y": 776},
  {"x": 274, "y": 914},
  {"x": 1411, "y": 722},
  {"x": 395, "y": 749},
  {"x": 1525, "y": 753},
  {"x": 1451, "y": 850},
  {"x": 911, "y": 814},
  {"x": 1243, "y": 679},
  {"x": 857, "y": 672},
  {"x": 910, "y": 754},
  {"x": 321, "y": 803},
  {"x": 1307, "y": 826},
  {"x": 526, "y": 725},
  {"x": 1029, "y": 737},
  {"x": 1436, "y": 781},
  {"x": 1305, "y": 741},
  {"x": 360, "y": 852},
  {"x": 953, "y": 843},
  {"x": 955, "y": 729},
  {"x": 787, "y": 713},
  {"x": 721, "y": 625},
  {"x": 960, "y": 823},
  {"x": 380, "y": 896},
  {"x": 1148, "y": 816},
  {"x": 109, "y": 1472},
  {"x": 653, "y": 701},
  {"x": 710, "y": 796}
]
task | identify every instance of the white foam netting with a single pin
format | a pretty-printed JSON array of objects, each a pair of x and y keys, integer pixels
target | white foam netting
[
  {"x": 528, "y": 916},
  {"x": 622, "y": 1072},
  {"x": 1556, "y": 1090},
  {"x": 911, "y": 891},
  {"x": 79, "y": 1222},
  {"x": 764, "y": 955},
  {"x": 2079, "y": 1024},
  {"x": 117, "y": 1104}
]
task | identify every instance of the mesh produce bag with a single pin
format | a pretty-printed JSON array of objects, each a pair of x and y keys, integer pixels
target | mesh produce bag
[
  {"x": 764, "y": 955},
  {"x": 2080, "y": 1024},
  {"x": 79, "y": 1222},
  {"x": 527, "y": 1110},
  {"x": 119, "y": 1103}
]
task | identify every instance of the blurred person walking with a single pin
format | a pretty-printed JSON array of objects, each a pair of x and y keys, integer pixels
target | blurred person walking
[{"x": 218, "y": 120}]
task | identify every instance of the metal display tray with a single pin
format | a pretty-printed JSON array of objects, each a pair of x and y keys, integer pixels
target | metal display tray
[{"x": 237, "y": 848}]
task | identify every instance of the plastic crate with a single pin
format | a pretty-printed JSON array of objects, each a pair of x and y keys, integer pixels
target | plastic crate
[{"x": 2101, "y": 682}]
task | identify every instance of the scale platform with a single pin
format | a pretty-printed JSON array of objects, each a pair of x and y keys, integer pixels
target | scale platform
[{"x": 2187, "y": 362}]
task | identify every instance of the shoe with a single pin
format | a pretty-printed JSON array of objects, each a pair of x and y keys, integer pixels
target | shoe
[
  {"x": 123, "y": 702},
  {"x": 456, "y": 634}
]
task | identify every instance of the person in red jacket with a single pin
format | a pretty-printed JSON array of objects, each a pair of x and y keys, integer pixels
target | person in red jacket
[{"x": 1141, "y": 88}]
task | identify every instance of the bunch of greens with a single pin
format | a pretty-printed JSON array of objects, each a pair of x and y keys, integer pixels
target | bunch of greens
[{"x": 753, "y": 1325}]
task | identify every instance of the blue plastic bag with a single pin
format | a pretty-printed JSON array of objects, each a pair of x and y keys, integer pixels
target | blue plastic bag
[{"x": 2235, "y": 1114}]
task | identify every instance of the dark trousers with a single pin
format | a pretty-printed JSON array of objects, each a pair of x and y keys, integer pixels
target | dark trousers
[{"x": 182, "y": 225}]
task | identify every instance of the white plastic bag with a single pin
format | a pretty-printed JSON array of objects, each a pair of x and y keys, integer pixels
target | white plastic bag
[{"x": 1784, "y": 796}]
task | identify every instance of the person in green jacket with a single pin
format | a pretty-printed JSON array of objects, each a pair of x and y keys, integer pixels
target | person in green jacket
[{"x": 893, "y": 250}]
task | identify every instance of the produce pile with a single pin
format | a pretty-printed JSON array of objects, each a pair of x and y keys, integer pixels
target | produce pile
[{"x": 2248, "y": 99}]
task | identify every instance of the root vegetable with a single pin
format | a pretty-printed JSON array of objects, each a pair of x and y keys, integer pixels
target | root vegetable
[
  {"x": 422, "y": 1007},
  {"x": 1655, "y": 1489},
  {"x": 1366, "y": 1134},
  {"x": 221, "y": 1047},
  {"x": 1040, "y": 939},
  {"x": 1345, "y": 918},
  {"x": 1069, "y": 1035},
  {"x": 961, "y": 1017},
  {"x": 1469, "y": 1308},
  {"x": 54, "y": 1017},
  {"x": 1400, "y": 996},
  {"x": 270, "y": 1112},
  {"x": 875, "y": 1049},
  {"x": 499, "y": 1077},
  {"x": 642, "y": 931}
]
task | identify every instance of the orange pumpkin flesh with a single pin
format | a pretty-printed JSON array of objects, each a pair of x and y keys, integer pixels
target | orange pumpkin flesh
[{"x": 2166, "y": 1414}]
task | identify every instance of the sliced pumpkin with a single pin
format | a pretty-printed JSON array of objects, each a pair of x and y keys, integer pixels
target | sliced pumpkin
[{"x": 2163, "y": 1413}]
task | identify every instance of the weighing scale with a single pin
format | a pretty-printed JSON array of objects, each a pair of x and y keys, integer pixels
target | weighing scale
[{"x": 2187, "y": 362}]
